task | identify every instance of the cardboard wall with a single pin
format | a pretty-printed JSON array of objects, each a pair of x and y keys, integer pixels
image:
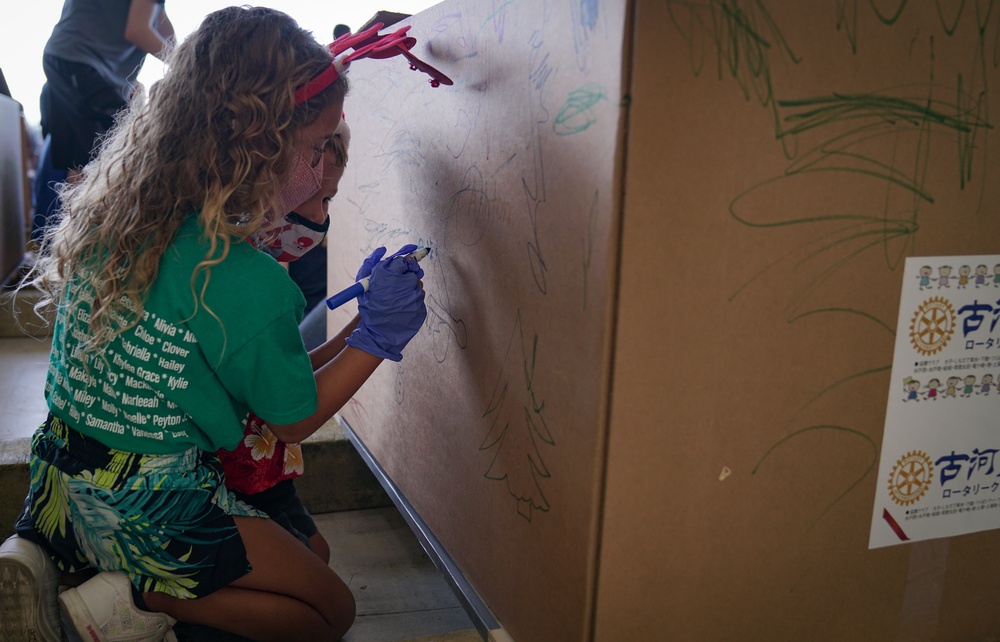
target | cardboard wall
[
  {"x": 492, "y": 426},
  {"x": 783, "y": 159}
]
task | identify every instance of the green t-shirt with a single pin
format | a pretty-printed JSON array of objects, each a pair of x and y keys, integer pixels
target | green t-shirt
[{"x": 187, "y": 374}]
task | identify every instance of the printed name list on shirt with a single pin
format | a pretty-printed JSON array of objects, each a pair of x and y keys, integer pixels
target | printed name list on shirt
[{"x": 123, "y": 401}]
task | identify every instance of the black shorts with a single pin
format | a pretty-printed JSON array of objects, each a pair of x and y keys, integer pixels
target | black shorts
[
  {"x": 282, "y": 504},
  {"x": 78, "y": 106}
]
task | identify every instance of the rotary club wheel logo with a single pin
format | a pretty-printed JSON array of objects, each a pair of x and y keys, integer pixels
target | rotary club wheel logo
[
  {"x": 911, "y": 477},
  {"x": 932, "y": 325}
]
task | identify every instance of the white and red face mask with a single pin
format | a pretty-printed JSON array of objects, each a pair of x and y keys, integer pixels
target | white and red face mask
[{"x": 292, "y": 238}]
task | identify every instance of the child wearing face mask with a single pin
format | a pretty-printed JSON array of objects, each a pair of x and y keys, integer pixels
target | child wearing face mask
[
  {"x": 294, "y": 243},
  {"x": 261, "y": 470},
  {"x": 304, "y": 228}
]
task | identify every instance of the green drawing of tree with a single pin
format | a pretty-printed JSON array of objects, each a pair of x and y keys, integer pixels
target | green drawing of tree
[{"x": 518, "y": 431}]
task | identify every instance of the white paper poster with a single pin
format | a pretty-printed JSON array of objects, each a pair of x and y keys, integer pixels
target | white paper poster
[{"x": 939, "y": 474}]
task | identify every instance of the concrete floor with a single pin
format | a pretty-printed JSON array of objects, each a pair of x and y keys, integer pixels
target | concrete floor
[
  {"x": 23, "y": 362},
  {"x": 400, "y": 594}
]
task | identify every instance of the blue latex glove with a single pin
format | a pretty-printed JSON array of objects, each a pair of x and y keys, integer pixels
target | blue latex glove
[
  {"x": 376, "y": 256},
  {"x": 392, "y": 310},
  {"x": 369, "y": 263}
]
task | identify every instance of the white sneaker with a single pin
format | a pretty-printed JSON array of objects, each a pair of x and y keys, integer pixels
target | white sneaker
[
  {"x": 101, "y": 610},
  {"x": 28, "y": 583}
]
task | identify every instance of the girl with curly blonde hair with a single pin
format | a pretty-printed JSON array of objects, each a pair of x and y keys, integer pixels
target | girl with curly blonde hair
[{"x": 170, "y": 328}]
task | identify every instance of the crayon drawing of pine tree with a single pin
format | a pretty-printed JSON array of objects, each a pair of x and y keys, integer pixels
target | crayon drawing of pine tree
[{"x": 518, "y": 433}]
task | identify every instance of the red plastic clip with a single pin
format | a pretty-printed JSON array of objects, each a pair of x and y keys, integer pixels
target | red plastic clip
[{"x": 368, "y": 44}]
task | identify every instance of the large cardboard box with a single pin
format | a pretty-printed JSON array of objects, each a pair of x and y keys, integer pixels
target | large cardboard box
[{"x": 667, "y": 247}]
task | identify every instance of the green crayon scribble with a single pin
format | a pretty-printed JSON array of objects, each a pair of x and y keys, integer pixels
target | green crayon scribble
[
  {"x": 577, "y": 114},
  {"x": 850, "y": 432}
]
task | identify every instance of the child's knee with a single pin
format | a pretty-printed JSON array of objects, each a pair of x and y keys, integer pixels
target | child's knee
[{"x": 345, "y": 613}]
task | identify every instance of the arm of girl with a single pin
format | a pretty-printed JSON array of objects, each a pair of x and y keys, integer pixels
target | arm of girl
[
  {"x": 325, "y": 352},
  {"x": 391, "y": 313}
]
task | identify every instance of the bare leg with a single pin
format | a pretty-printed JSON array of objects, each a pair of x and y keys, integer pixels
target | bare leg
[
  {"x": 320, "y": 547},
  {"x": 289, "y": 595}
]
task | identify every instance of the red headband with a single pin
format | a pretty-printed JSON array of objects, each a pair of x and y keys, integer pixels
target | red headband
[{"x": 367, "y": 44}]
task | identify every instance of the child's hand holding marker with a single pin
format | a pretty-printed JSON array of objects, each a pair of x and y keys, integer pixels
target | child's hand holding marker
[
  {"x": 390, "y": 302},
  {"x": 361, "y": 280}
]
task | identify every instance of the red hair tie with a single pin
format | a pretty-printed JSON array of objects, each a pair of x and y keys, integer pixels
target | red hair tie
[{"x": 367, "y": 44}]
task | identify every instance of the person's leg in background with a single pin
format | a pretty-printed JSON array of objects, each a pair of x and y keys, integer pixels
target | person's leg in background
[{"x": 46, "y": 196}]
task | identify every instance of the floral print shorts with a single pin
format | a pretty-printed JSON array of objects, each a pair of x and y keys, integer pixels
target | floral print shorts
[{"x": 165, "y": 520}]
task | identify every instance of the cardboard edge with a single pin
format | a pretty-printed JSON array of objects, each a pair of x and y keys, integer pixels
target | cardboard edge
[{"x": 611, "y": 318}]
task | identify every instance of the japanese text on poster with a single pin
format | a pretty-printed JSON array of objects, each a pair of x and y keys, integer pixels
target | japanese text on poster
[{"x": 938, "y": 472}]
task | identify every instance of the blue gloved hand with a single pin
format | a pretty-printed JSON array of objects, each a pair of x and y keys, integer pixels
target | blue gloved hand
[
  {"x": 369, "y": 263},
  {"x": 392, "y": 310},
  {"x": 376, "y": 256}
]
